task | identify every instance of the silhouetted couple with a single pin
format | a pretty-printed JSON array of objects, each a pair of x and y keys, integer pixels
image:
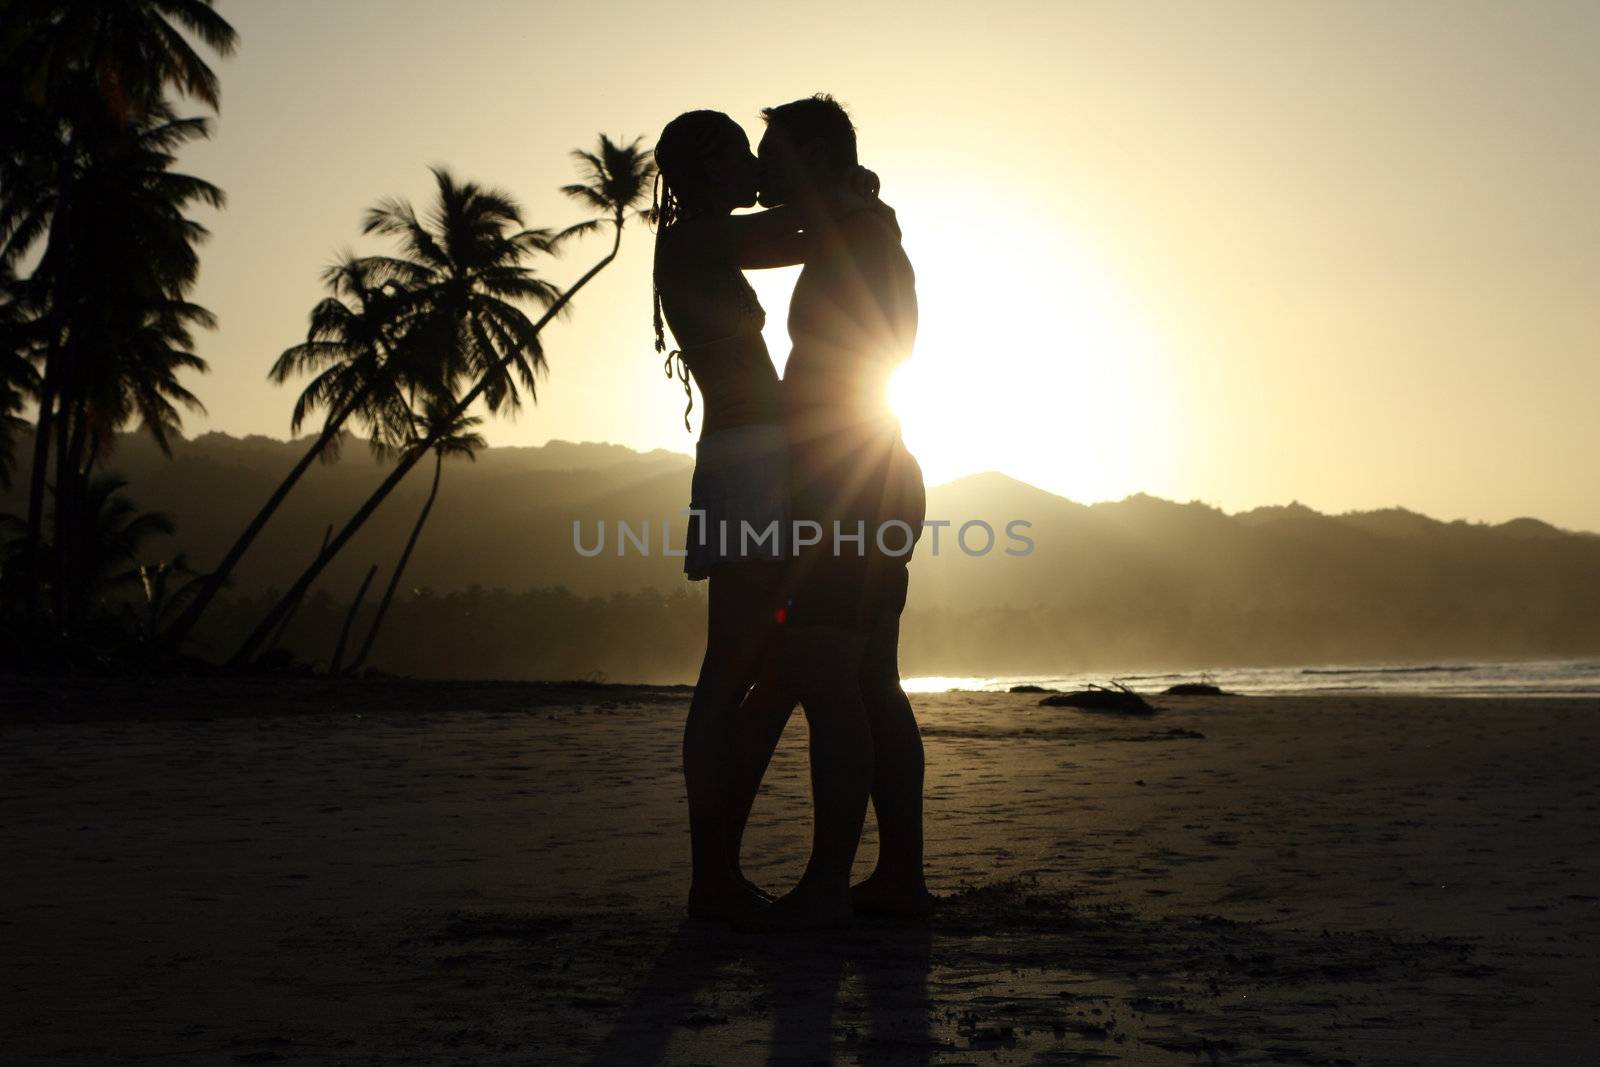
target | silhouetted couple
[{"x": 805, "y": 504}]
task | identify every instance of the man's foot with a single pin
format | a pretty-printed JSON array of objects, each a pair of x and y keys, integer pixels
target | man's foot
[
  {"x": 736, "y": 904},
  {"x": 900, "y": 897},
  {"x": 803, "y": 909}
]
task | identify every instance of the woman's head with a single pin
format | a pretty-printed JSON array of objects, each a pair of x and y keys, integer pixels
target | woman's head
[{"x": 706, "y": 164}]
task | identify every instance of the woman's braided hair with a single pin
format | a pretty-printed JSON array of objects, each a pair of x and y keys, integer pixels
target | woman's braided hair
[{"x": 680, "y": 169}]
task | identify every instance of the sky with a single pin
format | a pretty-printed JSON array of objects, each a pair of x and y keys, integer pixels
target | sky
[{"x": 1343, "y": 253}]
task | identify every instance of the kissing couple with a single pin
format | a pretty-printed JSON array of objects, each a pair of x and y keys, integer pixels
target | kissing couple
[{"x": 811, "y": 614}]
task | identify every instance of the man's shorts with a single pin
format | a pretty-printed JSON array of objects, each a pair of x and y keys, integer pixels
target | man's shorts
[{"x": 858, "y": 479}]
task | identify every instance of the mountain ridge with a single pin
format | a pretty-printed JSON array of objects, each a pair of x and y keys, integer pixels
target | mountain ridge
[{"x": 1131, "y": 582}]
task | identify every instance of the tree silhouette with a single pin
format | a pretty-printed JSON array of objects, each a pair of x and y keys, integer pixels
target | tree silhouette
[
  {"x": 616, "y": 182},
  {"x": 360, "y": 374},
  {"x": 125, "y": 53},
  {"x": 78, "y": 76},
  {"x": 124, "y": 261},
  {"x": 113, "y": 536},
  {"x": 452, "y": 435},
  {"x": 18, "y": 381}
]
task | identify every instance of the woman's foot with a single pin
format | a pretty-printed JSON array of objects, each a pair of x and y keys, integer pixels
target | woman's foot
[
  {"x": 884, "y": 895},
  {"x": 757, "y": 890},
  {"x": 736, "y": 903},
  {"x": 804, "y": 909}
]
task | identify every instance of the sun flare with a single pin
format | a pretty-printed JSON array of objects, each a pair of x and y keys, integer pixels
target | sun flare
[
  {"x": 1034, "y": 362},
  {"x": 1033, "y": 358}
]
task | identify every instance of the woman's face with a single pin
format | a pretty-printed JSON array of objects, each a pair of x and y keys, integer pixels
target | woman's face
[{"x": 732, "y": 168}]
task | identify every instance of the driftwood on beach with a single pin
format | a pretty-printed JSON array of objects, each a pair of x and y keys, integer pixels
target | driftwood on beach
[{"x": 1116, "y": 699}]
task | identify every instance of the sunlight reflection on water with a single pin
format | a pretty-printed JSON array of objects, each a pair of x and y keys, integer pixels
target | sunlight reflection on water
[{"x": 1547, "y": 677}]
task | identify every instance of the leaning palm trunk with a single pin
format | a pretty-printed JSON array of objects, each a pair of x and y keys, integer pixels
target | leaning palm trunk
[
  {"x": 36, "y": 487},
  {"x": 213, "y": 583},
  {"x": 350, "y": 619},
  {"x": 399, "y": 567},
  {"x": 409, "y": 460},
  {"x": 288, "y": 616}
]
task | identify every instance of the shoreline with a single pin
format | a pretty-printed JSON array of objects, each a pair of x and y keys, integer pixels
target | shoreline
[{"x": 41, "y": 699}]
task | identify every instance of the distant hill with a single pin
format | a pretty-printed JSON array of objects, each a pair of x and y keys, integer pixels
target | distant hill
[{"x": 1141, "y": 581}]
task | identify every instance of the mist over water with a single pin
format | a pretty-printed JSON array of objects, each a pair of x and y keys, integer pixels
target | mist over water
[{"x": 1572, "y": 677}]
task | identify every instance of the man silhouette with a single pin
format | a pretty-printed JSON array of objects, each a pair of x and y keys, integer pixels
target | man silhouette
[{"x": 852, "y": 320}]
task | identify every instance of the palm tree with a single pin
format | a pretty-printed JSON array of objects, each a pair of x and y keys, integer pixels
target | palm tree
[
  {"x": 451, "y": 435},
  {"x": 15, "y": 385},
  {"x": 123, "y": 375},
  {"x": 18, "y": 336},
  {"x": 135, "y": 377},
  {"x": 441, "y": 310},
  {"x": 464, "y": 270},
  {"x": 165, "y": 588},
  {"x": 76, "y": 73},
  {"x": 114, "y": 535},
  {"x": 124, "y": 261},
  {"x": 616, "y": 183},
  {"x": 359, "y": 374},
  {"x": 128, "y": 52},
  {"x": 350, "y": 620},
  {"x": 129, "y": 258}
]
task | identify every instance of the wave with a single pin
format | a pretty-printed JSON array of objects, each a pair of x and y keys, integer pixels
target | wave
[
  {"x": 1568, "y": 677},
  {"x": 1432, "y": 669}
]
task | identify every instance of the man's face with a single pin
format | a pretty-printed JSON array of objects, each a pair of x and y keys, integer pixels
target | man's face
[{"x": 782, "y": 170}]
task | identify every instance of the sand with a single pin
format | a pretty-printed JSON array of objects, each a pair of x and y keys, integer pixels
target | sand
[{"x": 392, "y": 872}]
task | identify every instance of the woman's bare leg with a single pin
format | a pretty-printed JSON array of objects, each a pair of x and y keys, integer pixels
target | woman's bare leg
[
  {"x": 762, "y": 719},
  {"x": 738, "y": 628}
]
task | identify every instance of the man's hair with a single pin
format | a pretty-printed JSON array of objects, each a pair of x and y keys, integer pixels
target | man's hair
[{"x": 820, "y": 119}]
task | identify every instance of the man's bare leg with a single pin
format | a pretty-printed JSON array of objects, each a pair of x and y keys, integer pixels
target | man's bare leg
[
  {"x": 896, "y": 885},
  {"x": 824, "y": 665}
]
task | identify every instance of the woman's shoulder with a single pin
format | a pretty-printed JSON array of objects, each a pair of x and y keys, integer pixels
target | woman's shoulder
[
  {"x": 693, "y": 241},
  {"x": 686, "y": 235}
]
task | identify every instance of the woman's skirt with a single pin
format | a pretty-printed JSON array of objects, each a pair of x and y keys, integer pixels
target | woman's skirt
[{"x": 739, "y": 499}]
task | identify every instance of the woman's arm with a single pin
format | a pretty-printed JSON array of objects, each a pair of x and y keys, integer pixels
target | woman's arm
[
  {"x": 772, "y": 238},
  {"x": 777, "y": 237}
]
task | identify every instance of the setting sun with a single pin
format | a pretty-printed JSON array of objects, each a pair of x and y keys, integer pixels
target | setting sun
[
  {"x": 1049, "y": 370},
  {"x": 1033, "y": 358}
]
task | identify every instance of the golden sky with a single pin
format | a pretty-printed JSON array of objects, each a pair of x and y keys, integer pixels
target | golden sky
[{"x": 1346, "y": 253}]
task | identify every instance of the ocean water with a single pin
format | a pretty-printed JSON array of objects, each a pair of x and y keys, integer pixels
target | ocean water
[{"x": 1529, "y": 678}]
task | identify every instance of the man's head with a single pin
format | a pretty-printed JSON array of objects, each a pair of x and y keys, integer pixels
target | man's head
[{"x": 809, "y": 144}]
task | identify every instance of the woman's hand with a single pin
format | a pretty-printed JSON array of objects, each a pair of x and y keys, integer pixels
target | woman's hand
[
  {"x": 864, "y": 182},
  {"x": 857, "y": 192}
]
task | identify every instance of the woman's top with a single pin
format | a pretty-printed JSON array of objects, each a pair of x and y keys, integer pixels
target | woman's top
[{"x": 716, "y": 319}]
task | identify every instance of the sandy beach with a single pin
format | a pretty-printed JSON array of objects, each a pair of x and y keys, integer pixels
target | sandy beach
[{"x": 256, "y": 871}]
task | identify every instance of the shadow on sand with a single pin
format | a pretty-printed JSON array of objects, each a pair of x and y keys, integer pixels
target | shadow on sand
[
  {"x": 784, "y": 1000},
  {"x": 1004, "y": 969}
]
